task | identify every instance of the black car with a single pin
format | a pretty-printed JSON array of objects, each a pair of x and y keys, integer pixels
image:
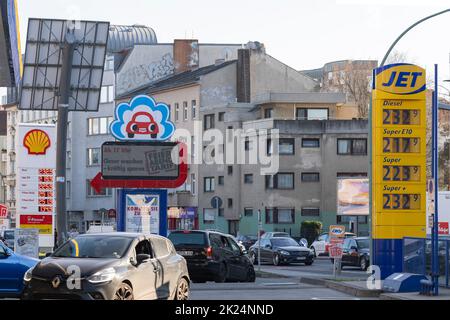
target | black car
[
  {"x": 247, "y": 241},
  {"x": 281, "y": 251},
  {"x": 213, "y": 256},
  {"x": 112, "y": 266},
  {"x": 356, "y": 253}
]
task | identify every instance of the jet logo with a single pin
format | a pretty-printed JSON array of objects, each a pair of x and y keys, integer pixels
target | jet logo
[{"x": 404, "y": 79}]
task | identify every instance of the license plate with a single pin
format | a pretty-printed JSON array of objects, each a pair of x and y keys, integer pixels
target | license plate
[
  {"x": 185, "y": 253},
  {"x": 300, "y": 258}
]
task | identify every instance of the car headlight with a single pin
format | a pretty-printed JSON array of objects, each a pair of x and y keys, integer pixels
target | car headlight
[
  {"x": 103, "y": 276},
  {"x": 285, "y": 253},
  {"x": 28, "y": 275}
]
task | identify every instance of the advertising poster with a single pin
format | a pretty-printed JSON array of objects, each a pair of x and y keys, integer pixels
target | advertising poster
[
  {"x": 26, "y": 242},
  {"x": 35, "y": 180},
  {"x": 353, "y": 197},
  {"x": 142, "y": 213}
]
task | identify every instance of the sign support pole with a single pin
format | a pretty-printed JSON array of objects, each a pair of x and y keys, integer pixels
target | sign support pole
[
  {"x": 435, "y": 165},
  {"x": 259, "y": 240},
  {"x": 61, "y": 148}
]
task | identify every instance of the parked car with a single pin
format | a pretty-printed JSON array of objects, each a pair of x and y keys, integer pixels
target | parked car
[
  {"x": 281, "y": 251},
  {"x": 213, "y": 256},
  {"x": 322, "y": 244},
  {"x": 247, "y": 241},
  {"x": 269, "y": 235},
  {"x": 12, "y": 268},
  {"x": 356, "y": 253},
  {"x": 113, "y": 266},
  {"x": 8, "y": 238}
]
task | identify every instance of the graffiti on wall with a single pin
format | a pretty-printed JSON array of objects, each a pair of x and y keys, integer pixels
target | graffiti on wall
[{"x": 142, "y": 74}]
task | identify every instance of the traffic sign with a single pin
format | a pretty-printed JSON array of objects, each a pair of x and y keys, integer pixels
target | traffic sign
[
  {"x": 3, "y": 211},
  {"x": 216, "y": 202},
  {"x": 337, "y": 231}
]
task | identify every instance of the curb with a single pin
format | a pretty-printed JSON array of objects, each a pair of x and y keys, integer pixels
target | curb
[{"x": 347, "y": 288}]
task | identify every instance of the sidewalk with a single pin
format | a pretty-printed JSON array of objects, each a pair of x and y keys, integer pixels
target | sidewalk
[{"x": 444, "y": 294}]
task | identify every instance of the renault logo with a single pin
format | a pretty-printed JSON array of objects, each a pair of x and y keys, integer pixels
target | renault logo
[{"x": 56, "y": 282}]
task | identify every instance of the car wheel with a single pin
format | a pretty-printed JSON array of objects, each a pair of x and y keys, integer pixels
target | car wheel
[
  {"x": 222, "y": 274},
  {"x": 153, "y": 136},
  {"x": 363, "y": 264},
  {"x": 125, "y": 292},
  {"x": 131, "y": 135},
  {"x": 182, "y": 290},
  {"x": 309, "y": 262},
  {"x": 276, "y": 259},
  {"x": 314, "y": 252},
  {"x": 251, "y": 275}
]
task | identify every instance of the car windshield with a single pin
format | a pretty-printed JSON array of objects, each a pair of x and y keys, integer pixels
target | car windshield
[
  {"x": 187, "y": 238},
  {"x": 8, "y": 235},
  {"x": 94, "y": 247},
  {"x": 363, "y": 243},
  {"x": 285, "y": 242}
]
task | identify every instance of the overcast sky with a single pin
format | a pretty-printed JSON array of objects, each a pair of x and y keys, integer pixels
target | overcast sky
[{"x": 304, "y": 34}]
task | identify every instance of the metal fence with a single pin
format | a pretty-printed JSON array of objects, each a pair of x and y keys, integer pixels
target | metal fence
[{"x": 417, "y": 257}]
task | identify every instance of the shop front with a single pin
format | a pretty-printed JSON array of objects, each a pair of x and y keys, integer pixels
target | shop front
[{"x": 182, "y": 218}]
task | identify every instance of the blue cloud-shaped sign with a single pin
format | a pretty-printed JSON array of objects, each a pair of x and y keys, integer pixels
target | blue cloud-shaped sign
[{"x": 142, "y": 120}]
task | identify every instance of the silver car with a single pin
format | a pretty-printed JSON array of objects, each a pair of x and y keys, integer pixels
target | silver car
[{"x": 110, "y": 266}]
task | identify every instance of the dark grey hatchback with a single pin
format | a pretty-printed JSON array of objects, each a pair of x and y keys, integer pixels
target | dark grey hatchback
[{"x": 113, "y": 266}]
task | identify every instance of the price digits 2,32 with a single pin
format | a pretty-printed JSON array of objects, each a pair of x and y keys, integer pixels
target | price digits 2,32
[
  {"x": 402, "y": 117},
  {"x": 401, "y": 145},
  {"x": 401, "y": 201}
]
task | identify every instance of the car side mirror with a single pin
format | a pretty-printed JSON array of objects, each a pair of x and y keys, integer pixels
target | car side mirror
[
  {"x": 48, "y": 254},
  {"x": 268, "y": 246},
  {"x": 142, "y": 257}
]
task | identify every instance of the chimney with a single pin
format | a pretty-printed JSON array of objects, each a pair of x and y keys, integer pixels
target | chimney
[
  {"x": 243, "y": 76},
  {"x": 185, "y": 55}
]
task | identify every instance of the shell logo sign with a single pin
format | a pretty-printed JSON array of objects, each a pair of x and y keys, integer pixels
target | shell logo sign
[
  {"x": 400, "y": 78},
  {"x": 37, "y": 142}
]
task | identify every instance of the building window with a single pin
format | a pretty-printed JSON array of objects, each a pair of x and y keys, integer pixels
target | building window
[
  {"x": 352, "y": 174},
  {"x": 230, "y": 203},
  {"x": 269, "y": 147},
  {"x": 310, "y": 143},
  {"x": 209, "y": 184},
  {"x": 194, "y": 108},
  {"x": 221, "y": 180},
  {"x": 230, "y": 170},
  {"x": 280, "y": 215},
  {"x": 221, "y": 212},
  {"x": 209, "y": 215},
  {"x": 97, "y": 126},
  {"x": 268, "y": 113},
  {"x": 177, "y": 111},
  {"x": 311, "y": 114},
  {"x": 352, "y": 147},
  {"x": 93, "y": 156},
  {"x": 221, "y": 116},
  {"x": 310, "y": 177},
  {"x": 286, "y": 146},
  {"x": 68, "y": 189},
  {"x": 109, "y": 63},
  {"x": 68, "y": 159},
  {"x": 248, "y": 178},
  {"x": 283, "y": 181},
  {"x": 306, "y": 212},
  {"x": 248, "y": 212},
  {"x": 247, "y": 144},
  {"x": 185, "y": 110},
  {"x": 208, "y": 122},
  {"x": 107, "y": 94},
  {"x": 193, "y": 184},
  {"x": 92, "y": 193}
]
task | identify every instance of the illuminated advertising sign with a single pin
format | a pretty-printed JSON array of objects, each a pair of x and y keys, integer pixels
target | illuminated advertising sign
[
  {"x": 398, "y": 161},
  {"x": 353, "y": 197},
  {"x": 35, "y": 180}
]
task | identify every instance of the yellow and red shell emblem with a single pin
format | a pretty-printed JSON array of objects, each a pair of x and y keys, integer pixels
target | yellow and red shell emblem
[{"x": 37, "y": 142}]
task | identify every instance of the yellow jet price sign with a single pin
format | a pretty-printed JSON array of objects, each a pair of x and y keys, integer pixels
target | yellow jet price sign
[{"x": 399, "y": 152}]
